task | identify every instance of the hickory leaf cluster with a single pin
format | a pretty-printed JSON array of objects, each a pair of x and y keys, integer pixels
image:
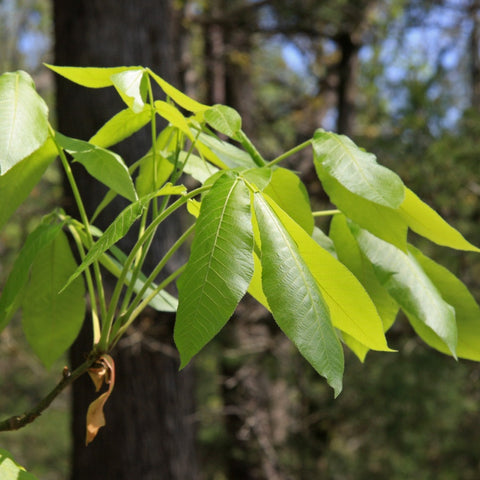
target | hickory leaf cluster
[{"x": 252, "y": 227}]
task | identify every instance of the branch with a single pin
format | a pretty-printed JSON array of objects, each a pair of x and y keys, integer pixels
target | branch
[{"x": 18, "y": 421}]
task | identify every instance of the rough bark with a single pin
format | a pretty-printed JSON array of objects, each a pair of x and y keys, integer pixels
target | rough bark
[{"x": 149, "y": 432}]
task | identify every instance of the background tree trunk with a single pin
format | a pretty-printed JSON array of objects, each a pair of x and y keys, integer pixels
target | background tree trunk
[{"x": 149, "y": 432}]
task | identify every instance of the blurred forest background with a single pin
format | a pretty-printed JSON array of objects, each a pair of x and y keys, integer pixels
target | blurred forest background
[{"x": 402, "y": 78}]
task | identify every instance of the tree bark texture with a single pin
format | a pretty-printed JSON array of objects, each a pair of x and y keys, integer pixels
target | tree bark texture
[{"x": 149, "y": 432}]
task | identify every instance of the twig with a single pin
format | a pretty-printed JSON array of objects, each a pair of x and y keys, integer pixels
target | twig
[{"x": 18, "y": 421}]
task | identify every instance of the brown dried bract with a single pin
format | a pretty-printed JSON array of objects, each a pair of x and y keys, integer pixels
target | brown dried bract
[{"x": 102, "y": 371}]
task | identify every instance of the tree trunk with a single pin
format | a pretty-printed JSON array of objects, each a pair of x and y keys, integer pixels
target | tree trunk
[
  {"x": 347, "y": 70},
  {"x": 149, "y": 432},
  {"x": 474, "y": 11}
]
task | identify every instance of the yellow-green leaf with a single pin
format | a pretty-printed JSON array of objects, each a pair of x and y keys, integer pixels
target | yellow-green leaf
[
  {"x": 351, "y": 309},
  {"x": 425, "y": 221}
]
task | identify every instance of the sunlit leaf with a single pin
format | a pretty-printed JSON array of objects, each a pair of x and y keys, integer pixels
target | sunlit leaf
[
  {"x": 219, "y": 268},
  {"x": 288, "y": 191},
  {"x": 295, "y": 298},
  {"x": 351, "y": 309},
  {"x": 173, "y": 116},
  {"x": 23, "y": 119},
  {"x": 91, "y": 77},
  {"x": 11, "y": 470},
  {"x": 147, "y": 181},
  {"x": 104, "y": 165},
  {"x": 224, "y": 119},
  {"x": 132, "y": 87},
  {"x": 351, "y": 256},
  {"x": 467, "y": 311},
  {"x": 51, "y": 320},
  {"x": 324, "y": 241},
  {"x": 385, "y": 223},
  {"x": 426, "y": 222},
  {"x": 229, "y": 155},
  {"x": 357, "y": 170},
  {"x": 403, "y": 277},
  {"x": 197, "y": 167},
  {"x": 177, "y": 96},
  {"x": 17, "y": 183},
  {"x": 121, "y": 126}
]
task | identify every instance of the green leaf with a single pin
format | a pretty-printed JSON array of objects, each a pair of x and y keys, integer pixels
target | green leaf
[
  {"x": 324, "y": 241},
  {"x": 162, "y": 302},
  {"x": 120, "y": 127},
  {"x": 219, "y": 268},
  {"x": 260, "y": 177},
  {"x": 403, "y": 277},
  {"x": 224, "y": 119},
  {"x": 23, "y": 119},
  {"x": 351, "y": 256},
  {"x": 467, "y": 311},
  {"x": 17, "y": 183},
  {"x": 177, "y": 96},
  {"x": 174, "y": 117},
  {"x": 357, "y": 170},
  {"x": 132, "y": 87},
  {"x": 288, "y": 191},
  {"x": 51, "y": 320},
  {"x": 351, "y": 309},
  {"x": 35, "y": 242},
  {"x": 428, "y": 223},
  {"x": 228, "y": 154},
  {"x": 295, "y": 299},
  {"x": 116, "y": 230},
  {"x": 91, "y": 77},
  {"x": 385, "y": 223},
  {"x": 146, "y": 181},
  {"x": 11, "y": 470},
  {"x": 104, "y": 165},
  {"x": 197, "y": 167}
]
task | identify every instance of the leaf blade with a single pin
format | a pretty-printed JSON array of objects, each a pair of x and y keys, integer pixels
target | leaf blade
[
  {"x": 51, "y": 320},
  {"x": 102, "y": 164},
  {"x": 16, "y": 184},
  {"x": 467, "y": 311},
  {"x": 120, "y": 126},
  {"x": 385, "y": 223},
  {"x": 115, "y": 231},
  {"x": 34, "y": 243},
  {"x": 219, "y": 268},
  {"x": 294, "y": 298},
  {"x": 351, "y": 309},
  {"x": 425, "y": 221},
  {"x": 91, "y": 77},
  {"x": 357, "y": 170},
  {"x": 23, "y": 119},
  {"x": 403, "y": 277}
]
